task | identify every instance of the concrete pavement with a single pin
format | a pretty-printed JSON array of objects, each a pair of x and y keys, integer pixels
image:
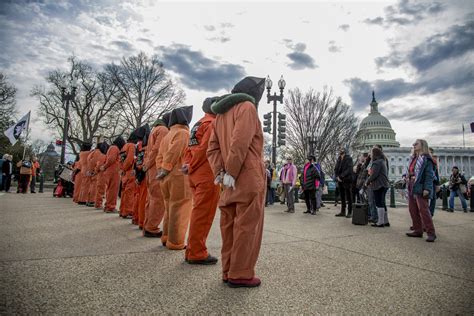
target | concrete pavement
[{"x": 57, "y": 257}]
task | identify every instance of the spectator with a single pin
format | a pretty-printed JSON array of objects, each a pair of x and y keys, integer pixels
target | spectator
[
  {"x": 322, "y": 183},
  {"x": 420, "y": 191},
  {"x": 343, "y": 173},
  {"x": 288, "y": 179},
  {"x": 35, "y": 172},
  {"x": 268, "y": 172},
  {"x": 310, "y": 183},
  {"x": 7, "y": 170},
  {"x": 1, "y": 174},
  {"x": 378, "y": 182},
  {"x": 457, "y": 186},
  {"x": 25, "y": 167},
  {"x": 436, "y": 187}
]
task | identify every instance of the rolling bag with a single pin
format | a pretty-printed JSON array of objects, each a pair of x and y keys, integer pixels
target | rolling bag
[{"x": 360, "y": 211}]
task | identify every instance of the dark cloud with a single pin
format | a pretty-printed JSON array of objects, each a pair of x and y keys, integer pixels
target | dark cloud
[
  {"x": 407, "y": 12},
  {"x": 344, "y": 27},
  {"x": 458, "y": 40},
  {"x": 220, "y": 39},
  {"x": 457, "y": 78},
  {"x": 145, "y": 40},
  {"x": 377, "y": 21},
  {"x": 210, "y": 28},
  {"x": 333, "y": 48},
  {"x": 197, "y": 71},
  {"x": 299, "y": 59},
  {"x": 123, "y": 45}
]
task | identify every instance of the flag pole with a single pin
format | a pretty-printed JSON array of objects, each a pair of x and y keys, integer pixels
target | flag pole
[{"x": 27, "y": 133}]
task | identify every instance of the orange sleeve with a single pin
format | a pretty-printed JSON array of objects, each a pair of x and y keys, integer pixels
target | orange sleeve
[
  {"x": 128, "y": 163},
  {"x": 214, "y": 155},
  {"x": 198, "y": 153},
  {"x": 175, "y": 150},
  {"x": 153, "y": 154},
  {"x": 112, "y": 156},
  {"x": 244, "y": 130}
]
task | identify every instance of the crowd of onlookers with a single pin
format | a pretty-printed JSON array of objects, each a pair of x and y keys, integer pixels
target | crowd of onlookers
[
  {"x": 366, "y": 182},
  {"x": 26, "y": 172}
]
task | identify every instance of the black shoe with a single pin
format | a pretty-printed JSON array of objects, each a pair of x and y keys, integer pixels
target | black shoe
[
  {"x": 340, "y": 215},
  {"x": 322, "y": 205},
  {"x": 33, "y": 192},
  {"x": 376, "y": 225},
  {"x": 413, "y": 234},
  {"x": 349, "y": 215},
  {"x": 307, "y": 212},
  {"x": 431, "y": 238},
  {"x": 450, "y": 210},
  {"x": 465, "y": 210},
  {"x": 208, "y": 261},
  {"x": 387, "y": 225},
  {"x": 81, "y": 203},
  {"x": 152, "y": 235}
]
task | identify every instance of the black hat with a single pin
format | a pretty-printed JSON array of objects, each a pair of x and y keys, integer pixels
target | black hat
[
  {"x": 182, "y": 115},
  {"x": 119, "y": 142},
  {"x": 252, "y": 86},
  {"x": 206, "y": 105},
  {"x": 86, "y": 146},
  {"x": 103, "y": 147}
]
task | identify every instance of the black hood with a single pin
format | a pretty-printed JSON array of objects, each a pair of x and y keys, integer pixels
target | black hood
[
  {"x": 86, "y": 146},
  {"x": 119, "y": 142},
  {"x": 182, "y": 116},
  {"x": 103, "y": 147},
  {"x": 206, "y": 105},
  {"x": 166, "y": 119},
  {"x": 252, "y": 86},
  {"x": 162, "y": 120},
  {"x": 142, "y": 133},
  {"x": 133, "y": 138}
]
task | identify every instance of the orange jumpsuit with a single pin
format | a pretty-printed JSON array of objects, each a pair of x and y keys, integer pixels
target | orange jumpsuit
[
  {"x": 112, "y": 177},
  {"x": 77, "y": 182},
  {"x": 92, "y": 161},
  {"x": 141, "y": 187},
  {"x": 101, "y": 179},
  {"x": 155, "y": 205},
  {"x": 175, "y": 187},
  {"x": 128, "y": 179},
  {"x": 205, "y": 192},
  {"x": 236, "y": 147},
  {"x": 86, "y": 179}
]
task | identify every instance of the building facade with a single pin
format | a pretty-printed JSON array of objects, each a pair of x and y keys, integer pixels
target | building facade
[{"x": 375, "y": 129}]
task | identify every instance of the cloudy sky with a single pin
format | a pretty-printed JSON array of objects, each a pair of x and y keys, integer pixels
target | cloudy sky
[{"x": 418, "y": 56}]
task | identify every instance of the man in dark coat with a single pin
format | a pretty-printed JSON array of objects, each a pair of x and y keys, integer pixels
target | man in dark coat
[
  {"x": 310, "y": 181},
  {"x": 343, "y": 174}
]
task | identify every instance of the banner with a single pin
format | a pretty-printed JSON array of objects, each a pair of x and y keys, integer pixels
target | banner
[{"x": 14, "y": 132}]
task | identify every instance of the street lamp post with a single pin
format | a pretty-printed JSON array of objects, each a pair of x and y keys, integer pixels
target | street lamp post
[
  {"x": 275, "y": 98},
  {"x": 311, "y": 142},
  {"x": 67, "y": 95}
]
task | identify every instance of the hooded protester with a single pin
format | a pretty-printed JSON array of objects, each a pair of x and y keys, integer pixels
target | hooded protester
[
  {"x": 205, "y": 191},
  {"x": 91, "y": 172},
  {"x": 235, "y": 155},
  {"x": 155, "y": 206},
  {"x": 127, "y": 159},
  {"x": 100, "y": 188},
  {"x": 142, "y": 134},
  {"x": 175, "y": 186},
  {"x": 86, "y": 181},
  {"x": 77, "y": 178},
  {"x": 111, "y": 169}
]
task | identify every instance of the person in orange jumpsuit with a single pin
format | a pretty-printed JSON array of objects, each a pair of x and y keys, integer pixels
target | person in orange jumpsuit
[
  {"x": 92, "y": 161},
  {"x": 142, "y": 134},
  {"x": 77, "y": 180},
  {"x": 205, "y": 192},
  {"x": 155, "y": 205},
  {"x": 100, "y": 190},
  {"x": 127, "y": 158},
  {"x": 111, "y": 172},
  {"x": 175, "y": 186},
  {"x": 83, "y": 155},
  {"x": 235, "y": 154}
]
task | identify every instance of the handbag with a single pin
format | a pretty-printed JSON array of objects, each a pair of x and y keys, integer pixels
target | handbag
[{"x": 462, "y": 188}]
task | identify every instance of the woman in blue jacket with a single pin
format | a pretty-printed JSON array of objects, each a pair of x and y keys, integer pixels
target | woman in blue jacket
[{"x": 420, "y": 190}]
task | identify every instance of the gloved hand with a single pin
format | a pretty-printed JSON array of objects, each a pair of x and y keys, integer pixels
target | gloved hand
[
  {"x": 229, "y": 181},
  {"x": 185, "y": 169},
  {"x": 161, "y": 174},
  {"x": 220, "y": 177}
]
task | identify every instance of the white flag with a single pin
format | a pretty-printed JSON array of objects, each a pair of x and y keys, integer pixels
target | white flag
[{"x": 14, "y": 132}]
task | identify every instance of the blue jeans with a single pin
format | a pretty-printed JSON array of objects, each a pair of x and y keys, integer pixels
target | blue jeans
[
  {"x": 372, "y": 208},
  {"x": 461, "y": 197}
]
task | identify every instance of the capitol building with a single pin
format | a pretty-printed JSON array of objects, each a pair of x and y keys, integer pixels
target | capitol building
[{"x": 376, "y": 129}]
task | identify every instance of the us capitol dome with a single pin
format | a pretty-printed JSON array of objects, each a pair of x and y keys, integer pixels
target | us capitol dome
[{"x": 376, "y": 129}]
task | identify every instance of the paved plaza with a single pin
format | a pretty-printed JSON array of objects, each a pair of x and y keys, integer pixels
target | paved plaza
[{"x": 60, "y": 258}]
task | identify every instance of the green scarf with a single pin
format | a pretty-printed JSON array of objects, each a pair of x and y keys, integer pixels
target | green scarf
[{"x": 226, "y": 102}]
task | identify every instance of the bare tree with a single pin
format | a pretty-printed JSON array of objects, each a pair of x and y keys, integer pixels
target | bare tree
[
  {"x": 322, "y": 117},
  {"x": 94, "y": 110},
  {"x": 7, "y": 102},
  {"x": 147, "y": 90}
]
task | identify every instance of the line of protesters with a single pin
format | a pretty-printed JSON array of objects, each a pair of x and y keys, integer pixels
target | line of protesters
[{"x": 178, "y": 177}]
